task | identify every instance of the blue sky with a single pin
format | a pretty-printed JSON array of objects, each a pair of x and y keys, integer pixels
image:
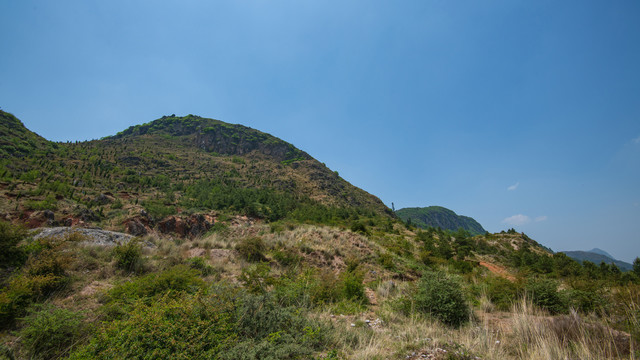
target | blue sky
[{"x": 520, "y": 114}]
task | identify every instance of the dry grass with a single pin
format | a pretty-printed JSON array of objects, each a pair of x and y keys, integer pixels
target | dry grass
[
  {"x": 537, "y": 336},
  {"x": 526, "y": 333}
]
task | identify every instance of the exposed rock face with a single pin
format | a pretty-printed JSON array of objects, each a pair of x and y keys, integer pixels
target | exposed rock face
[
  {"x": 40, "y": 218},
  {"x": 137, "y": 226},
  {"x": 192, "y": 226},
  {"x": 92, "y": 236},
  {"x": 87, "y": 215}
]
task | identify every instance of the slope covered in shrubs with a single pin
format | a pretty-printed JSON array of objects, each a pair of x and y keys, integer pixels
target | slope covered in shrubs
[{"x": 286, "y": 290}]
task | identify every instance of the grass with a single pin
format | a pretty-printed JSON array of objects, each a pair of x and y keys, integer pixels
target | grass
[{"x": 330, "y": 275}]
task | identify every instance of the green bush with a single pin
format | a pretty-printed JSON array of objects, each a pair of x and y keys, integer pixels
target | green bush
[
  {"x": 441, "y": 296},
  {"x": 387, "y": 261},
  {"x": 544, "y": 293},
  {"x": 461, "y": 266},
  {"x": 287, "y": 257},
  {"x": 502, "y": 292},
  {"x": 49, "y": 332},
  {"x": 294, "y": 288},
  {"x": 14, "y": 300},
  {"x": 49, "y": 203},
  {"x": 129, "y": 256},
  {"x": 43, "y": 274},
  {"x": 324, "y": 288},
  {"x": 176, "y": 280},
  {"x": 270, "y": 331},
  {"x": 359, "y": 227},
  {"x": 157, "y": 209},
  {"x": 199, "y": 263},
  {"x": 187, "y": 327},
  {"x": 252, "y": 249},
  {"x": 351, "y": 287},
  {"x": 586, "y": 301},
  {"x": 226, "y": 324},
  {"x": 257, "y": 278},
  {"x": 10, "y": 236}
]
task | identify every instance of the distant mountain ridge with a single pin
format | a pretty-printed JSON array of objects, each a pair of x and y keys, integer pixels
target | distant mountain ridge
[
  {"x": 601, "y": 252},
  {"x": 597, "y": 256},
  {"x": 438, "y": 216}
]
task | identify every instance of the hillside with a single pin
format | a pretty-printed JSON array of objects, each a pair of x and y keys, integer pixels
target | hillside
[
  {"x": 171, "y": 166},
  {"x": 437, "y": 216},
  {"x": 192, "y": 238},
  {"x": 598, "y": 258}
]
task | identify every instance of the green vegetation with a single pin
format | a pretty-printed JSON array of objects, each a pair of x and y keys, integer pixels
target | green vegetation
[
  {"x": 250, "y": 249},
  {"x": 51, "y": 333},
  {"x": 442, "y": 297},
  {"x": 439, "y": 217},
  {"x": 10, "y": 253},
  {"x": 129, "y": 256}
]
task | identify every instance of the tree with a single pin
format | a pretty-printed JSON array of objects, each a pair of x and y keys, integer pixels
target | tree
[{"x": 636, "y": 266}]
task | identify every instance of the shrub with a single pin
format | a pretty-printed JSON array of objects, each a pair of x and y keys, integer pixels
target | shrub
[
  {"x": 252, "y": 249},
  {"x": 200, "y": 264},
  {"x": 188, "y": 327},
  {"x": 227, "y": 324},
  {"x": 10, "y": 236},
  {"x": 14, "y": 300},
  {"x": 502, "y": 293},
  {"x": 256, "y": 278},
  {"x": 117, "y": 204},
  {"x": 586, "y": 301},
  {"x": 287, "y": 257},
  {"x": 387, "y": 261},
  {"x": 43, "y": 274},
  {"x": 359, "y": 227},
  {"x": 157, "y": 209},
  {"x": 178, "y": 279},
  {"x": 324, "y": 288},
  {"x": 351, "y": 287},
  {"x": 441, "y": 296},
  {"x": 293, "y": 288},
  {"x": 544, "y": 293},
  {"x": 270, "y": 331},
  {"x": 463, "y": 267},
  {"x": 129, "y": 256},
  {"x": 50, "y": 332}
]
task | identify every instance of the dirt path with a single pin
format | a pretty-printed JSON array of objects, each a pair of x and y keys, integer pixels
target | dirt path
[{"x": 498, "y": 270}]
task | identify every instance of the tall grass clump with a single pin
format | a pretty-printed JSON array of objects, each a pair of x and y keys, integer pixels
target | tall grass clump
[
  {"x": 49, "y": 332},
  {"x": 536, "y": 336},
  {"x": 129, "y": 256}
]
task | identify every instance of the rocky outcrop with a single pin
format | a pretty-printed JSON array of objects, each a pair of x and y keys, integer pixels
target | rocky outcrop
[
  {"x": 191, "y": 226},
  {"x": 91, "y": 236},
  {"x": 137, "y": 226}
]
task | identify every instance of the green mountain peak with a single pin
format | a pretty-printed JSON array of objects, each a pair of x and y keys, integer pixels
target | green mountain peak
[{"x": 440, "y": 217}]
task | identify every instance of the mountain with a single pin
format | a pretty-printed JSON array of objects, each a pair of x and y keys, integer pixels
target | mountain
[
  {"x": 16, "y": 140},
  {"x": 438, "y": 216},
  {"x": 172, "y": 166},
  {"x": 601, "y": 252},
  {"x": 597, "y": 258}
]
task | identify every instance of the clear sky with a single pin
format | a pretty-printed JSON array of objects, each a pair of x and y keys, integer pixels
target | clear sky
[{"x": 520, "y": 114}]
